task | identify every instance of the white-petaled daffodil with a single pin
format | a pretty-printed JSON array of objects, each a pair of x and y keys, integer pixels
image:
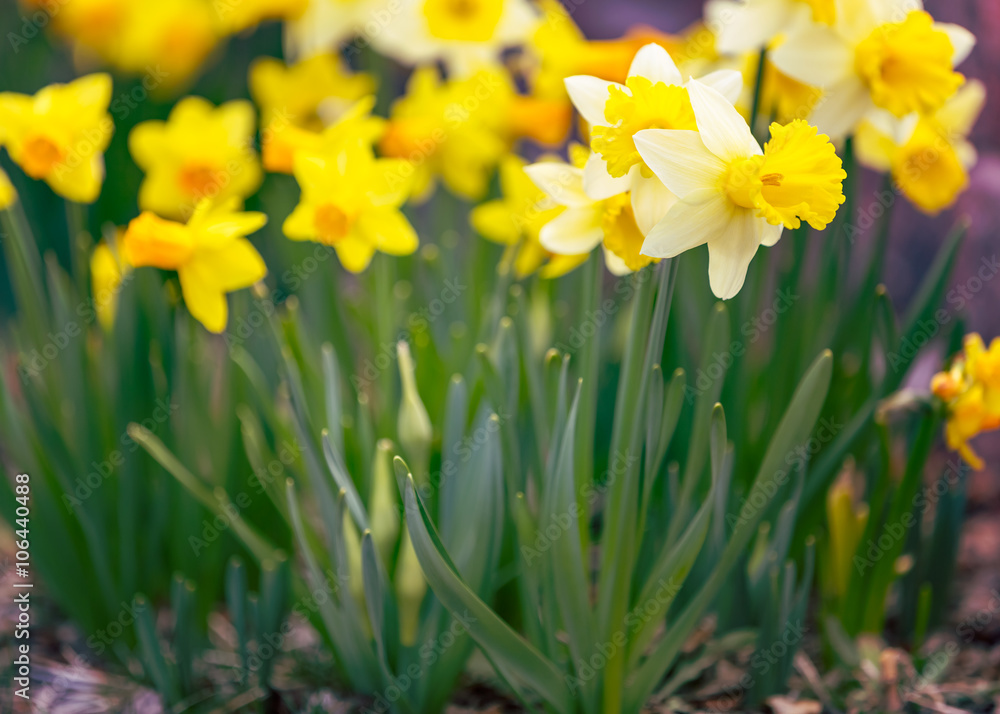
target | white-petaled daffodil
[
  {"x": 653, "y": 97},
  {"x": 733, "y": 195},
  {"x": 745, "y": 25},
  {"x": 889, "y": 54}
]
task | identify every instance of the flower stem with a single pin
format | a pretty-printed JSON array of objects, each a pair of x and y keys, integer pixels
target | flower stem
[{"x": 758, "y": 90}]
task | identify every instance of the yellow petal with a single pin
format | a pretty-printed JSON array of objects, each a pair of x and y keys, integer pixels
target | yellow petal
[
  {"x": 388, "y": 230},
  {"x": 236, "y": 266},
  {"x": 205, "y": 303},
  {"x": 493, "y": 221},
  {"x": 355, "y": 254}
]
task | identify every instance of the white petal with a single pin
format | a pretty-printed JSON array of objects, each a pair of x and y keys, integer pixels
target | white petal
[
  {"x": 574, "y": 231},
  {"x": 655, "y": 63},
  {"x": 816, "y": 55},
  {"x": 679, "y": 159},
  {"x": 841, "y": 107},
  {"x": 598, "y": 183},
  {"x": 614, "y": 264},
  {"x": 589, "y": 95},
  {"x": 961, "y": 40},
  {"x": 727, "y": 82},
  {"x": 650, "y": 202},
  {"x": 731, "y": 250},
  {"x": 562, "y": 182},
  {"x": 723, "y": 130},
  {"x": 692, "y": 221},
  {"x": 744, "y": 26},
  {"x": 771, "y": 234}
]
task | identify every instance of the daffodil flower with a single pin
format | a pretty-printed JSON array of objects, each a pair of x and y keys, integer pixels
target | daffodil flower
[
  {"x": 733, "y": 195},
  {"x": 350, "y": 201},
  {"x": 467, "y": 35},
  {"x": 238, "y": 15},
  {"x": 884, "y": 53},
  {"x": 653, "y": 96},
  {"x": 309, "y": 94},
  {"x": 516, "y": 221},
  {"x": 745, "y": 25},
  {"x": 971, "y": 392},
  {"x": 201, "y": 151},
  {"x": 59, "y": 135},
  {"x": 586, "y": 223},
  {"x": 210, "y": 253},
  {"x": 928, "y": 156},
  {"x": 454, "y": 129}
]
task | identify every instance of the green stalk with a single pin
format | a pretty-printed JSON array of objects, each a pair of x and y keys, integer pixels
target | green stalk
[
  {"x": 79, "y": 243},
  {"x": 589, "y": 358},
  {"x": 384, "y": 339},
  {"x": 758, "y": 89},
  {"x": 25, "y": 265}
]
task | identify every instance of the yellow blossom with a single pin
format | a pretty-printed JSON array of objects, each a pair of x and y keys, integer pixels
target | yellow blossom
[
  {"x": 108, "y": 270},
  {"x": 350, "y": 201},
  {"x": 454, "y": 130},
  {"x": 201, "y": 151},
  {"x": 517, "y": 219},
  {"x": 59, "y": 134},
  {"x": 971, "y": 391},
  {"x": 309, "y": 94},
  {"x": 210, "y": 253},
  {"x": 929, "y": 156}
]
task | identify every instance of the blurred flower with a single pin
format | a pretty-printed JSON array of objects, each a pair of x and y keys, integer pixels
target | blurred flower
[
  {"x": 60, "y": 134},
  {"x": 210, "y": 253},
  {"x": 108, "y": 269},
  {"x": 562, "y": 50},
  {"x": 170, "y": 37},
  {"x": 870, "y": 58},
  {"x": 743, "y": 25},
  {"x": 517, "y": 219},
  {"x": 325, "y": 24},
  {"x": 928, "y": 156},
  {"x": 238, "y": 15},
  {"x": 734, "y": 196},
  {"x": 309, "y": 94},
  {"x": 7, "y": 193},
  {"x": 451, "y": 129},
  {"x": 467, "y": 35},
  {"x": 201, "y": 151},
  {"x": 587, "y": 223},
  {"x": 283, "y": 142},
  {"x": 652, "y": 97},
  {"x": 350, "y": 200},
  {"x": 971, "y": 391}
]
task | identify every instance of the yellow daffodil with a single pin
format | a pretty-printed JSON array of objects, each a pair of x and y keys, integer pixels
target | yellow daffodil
[
  {"x": 587, "y": 223},
  {"x": 59, "y": 134},
  {"x": 928, "y": 156},
  {"x": 310, "y": 94},
  {"x": 7, "y": 193},
  {"x": 108, "y": 270},
  {"x": 210, "y": 253},
  {"x": 732, "y": 195},
  {"x": 884, "y": 53},
  {"x": 350, "y": 200},
  {"x": 971, "y": 391},
  {"x": 201, "y": 151},
  {"x": 283, "y": 143},
  {"x": 517, "y": 219},
  {"x": 652, "y": 97},
  {"x": 238, "y": 15},
  {"x": 325, "y": 24},
  {"x": 449, "y": 129},
  {"x": 742, "y": 25},
  {"x": 466, "y": 35}
]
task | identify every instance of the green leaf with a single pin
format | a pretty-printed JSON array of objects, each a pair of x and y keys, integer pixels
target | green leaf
[{"x": 515, "y": 660}]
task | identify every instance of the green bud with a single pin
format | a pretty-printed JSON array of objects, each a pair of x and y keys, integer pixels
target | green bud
[
  {"x": 414, "y": 426},
  {"x": 410, "y": 590},
  {"x": 383, "y": 508}
]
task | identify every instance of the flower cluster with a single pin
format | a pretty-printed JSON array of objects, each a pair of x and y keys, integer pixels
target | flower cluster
[{"x": 971, "y": 391}]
